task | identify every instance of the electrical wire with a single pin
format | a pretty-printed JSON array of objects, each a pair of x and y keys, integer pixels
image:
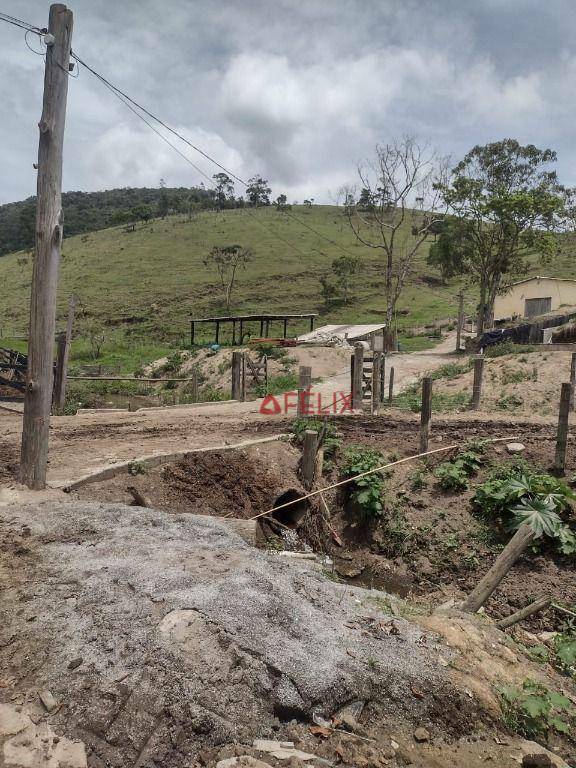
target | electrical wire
[
  {"x": 22, "y": 24},
  {"x": 134, "y": 106},
  {"x": 128, "y": 100}
]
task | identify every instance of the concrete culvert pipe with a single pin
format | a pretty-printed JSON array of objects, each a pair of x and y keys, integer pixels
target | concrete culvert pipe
[{"x": 292, "y": 515}]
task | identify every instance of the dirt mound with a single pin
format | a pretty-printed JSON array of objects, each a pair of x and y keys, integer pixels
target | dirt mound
[
  {"x": 160, "y": 634},
  {"x": 222, "y": 483}
]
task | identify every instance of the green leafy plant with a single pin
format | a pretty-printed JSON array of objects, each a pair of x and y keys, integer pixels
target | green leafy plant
[
  {"x": 453, "y": 475},
  {"x": 519, "y": 495},
  {"x": 534, "y": 710},
  {"x": 136, "y": 468},
  {"x": 366, "y": 492}
]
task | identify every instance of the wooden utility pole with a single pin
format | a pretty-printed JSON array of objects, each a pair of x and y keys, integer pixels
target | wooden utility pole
[
  {"x": 425, "y": 413},
  {"x": 61, "y": 374},
  {"x": 562, "y": 432},
  {"x": 38, "y": 397},
  {"x": 460, "y": 325}
]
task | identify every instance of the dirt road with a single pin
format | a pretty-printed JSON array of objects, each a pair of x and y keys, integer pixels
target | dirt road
[{"x": 91, "y": 441}]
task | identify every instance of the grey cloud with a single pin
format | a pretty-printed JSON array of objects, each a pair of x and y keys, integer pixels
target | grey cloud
[{"x": 297, "y": 90}]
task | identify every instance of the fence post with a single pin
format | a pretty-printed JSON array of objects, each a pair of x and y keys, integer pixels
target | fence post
[
  {"x": 236, "y": 375},
  {"x": 562, "y": 433},
  {"x": 376, "y": 363},
  {"x": 357, "y": 377},
  {"x": 308, "y": 465},
  {"x": 477, "y": 386},
  {"x": 62, "y": 355},
  {"x": 425, "y": 413},
  {"x": 460, "y": 320},
  {"x": 573, "y": 379},
  {"x": 304, "y": 383},
  {"x": 383, "y": 377},
  {"x": 505, "y": 560},
  {"x": 391, "y": 386}
]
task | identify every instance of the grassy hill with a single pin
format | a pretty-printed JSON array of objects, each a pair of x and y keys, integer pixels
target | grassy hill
[{"x": 143, "y": 285}]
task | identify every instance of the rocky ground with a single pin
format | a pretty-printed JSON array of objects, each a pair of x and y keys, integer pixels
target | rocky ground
[{"x": 132, "y": 637}]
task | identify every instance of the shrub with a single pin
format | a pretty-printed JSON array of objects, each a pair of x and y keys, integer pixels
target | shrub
[
  {"x": 366, "y": 492},
  {"x": 534, "y": 710},
  {"x": 453, "y": 475},
  {"x": 507, "y": 348},
  {"x": 517, "y": 495},
  {"x": 287, "y": 382}
]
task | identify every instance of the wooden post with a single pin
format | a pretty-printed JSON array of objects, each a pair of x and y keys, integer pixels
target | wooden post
[
  {"x": 562, "y": 433},
  {"x": 304, "y": 384},
  {"x": 477, "y": 385},
  {"x": 241, "y": 332},
  {"x": 311, "y": 324},
  {"x": 233, "y": 333},
  {"x": 376, "y": 363},
  {"x": 217, "y": 339},
  {"x": 61, "y": 375},
  {"x": 237, "y": 375},
  {"x": 391, "y": 386},
  {"x": 308, "y": 465},
  {"x": 357, "y": 377},
  {"x": 192, "y": 335},
  {"x": 261, "y": 328},
  {"x": 460, "y": 325},
  {"x": 573, "y": 379},
  {"x": 425, "y": 413},
  {"x": 382, "y": 377},
  {"x": 538, "y": 605},
  {"x": 39, "y": 380},
  {"x": 523, "y": 537},
  {"x": 285, "y": 327}
]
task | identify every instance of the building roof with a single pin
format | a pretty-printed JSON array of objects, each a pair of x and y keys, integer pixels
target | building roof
[
  {"x": 341, "y": 331},
  {"x": 543, "y": 277}
]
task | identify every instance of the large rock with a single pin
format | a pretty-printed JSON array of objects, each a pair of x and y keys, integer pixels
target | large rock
[{"x": 189, "y": 637}]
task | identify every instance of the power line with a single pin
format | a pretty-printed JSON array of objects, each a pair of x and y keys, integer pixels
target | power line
[
  {"x": 129, "y": 101},
  {"x": 134, "y": 106},
  {"x": 157, "y": 119},
  {"x": 22, "y": 24}
]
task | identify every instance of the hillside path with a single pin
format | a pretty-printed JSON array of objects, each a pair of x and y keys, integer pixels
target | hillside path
[{"x": 93, "y": 440}]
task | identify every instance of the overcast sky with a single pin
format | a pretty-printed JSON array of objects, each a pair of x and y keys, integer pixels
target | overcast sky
[{"x": 296, "y": 90}]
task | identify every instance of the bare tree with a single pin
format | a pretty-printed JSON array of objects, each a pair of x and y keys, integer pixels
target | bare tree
[
  {"x": 227, "y": 259},
  {"x": 399, "y": 205}
]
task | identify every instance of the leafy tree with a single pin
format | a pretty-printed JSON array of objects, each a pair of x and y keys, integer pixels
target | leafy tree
[
  {"x": 224, "y": 189},
  {"x": 509, "y": 204},
  {"x": 227, "y": 259},
  {"x": 400, "y": 187},
  {"x": 258, "y": 191},
  {"x": 345, "y": 268},
  {"x": 282, "y": 203}
]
